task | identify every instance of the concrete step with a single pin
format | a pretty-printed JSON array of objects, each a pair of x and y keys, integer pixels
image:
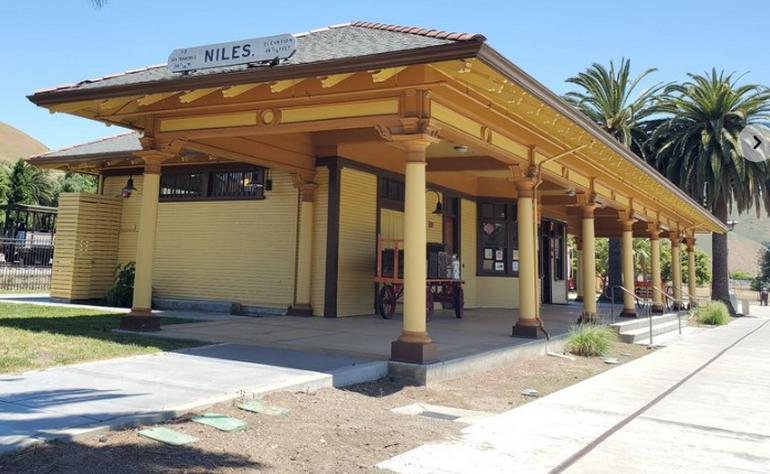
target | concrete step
[
  {"x": 628, "y": 324},
  {"x": 635, "y": 335}
]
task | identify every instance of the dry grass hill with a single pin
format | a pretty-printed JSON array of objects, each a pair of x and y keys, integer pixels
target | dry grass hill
[
  {"x": 15, "y": 144},
  {"x": 744, "y": 242}
]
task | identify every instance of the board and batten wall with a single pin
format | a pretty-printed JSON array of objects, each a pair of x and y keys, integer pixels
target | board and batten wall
[{"x": 240, "y": 251}]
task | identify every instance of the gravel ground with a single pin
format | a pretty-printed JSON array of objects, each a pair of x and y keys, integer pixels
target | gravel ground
[{"x": 331, "y": 430}]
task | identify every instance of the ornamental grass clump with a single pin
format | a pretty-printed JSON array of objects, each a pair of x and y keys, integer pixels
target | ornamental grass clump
[
  {"x": 590, "y": 340},
  {"x": 714, "y": 314}
]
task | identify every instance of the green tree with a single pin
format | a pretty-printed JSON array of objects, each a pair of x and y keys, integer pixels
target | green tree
[
  {"x": 72, "y": 183},
  {"x": 697, "y": 147},
  {"x": 702, "y": 265},
  {"x": 611, "y": 99},
  {"x": 27, "y": 184},
  {"x": 763, "y": 260}
]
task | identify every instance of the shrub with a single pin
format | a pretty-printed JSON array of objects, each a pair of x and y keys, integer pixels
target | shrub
[
  {"x": 121, "y": 293},
  {"x": 715, "y": 314},
  {"x": 590, "y": 340}
]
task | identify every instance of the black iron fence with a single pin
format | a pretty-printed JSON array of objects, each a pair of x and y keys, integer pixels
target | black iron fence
[{"x": 25, "y": 263}]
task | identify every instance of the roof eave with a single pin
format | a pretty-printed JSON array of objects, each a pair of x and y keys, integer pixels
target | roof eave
[
  {"x": 500, "y": 63},
  {"x": 431, "y": 54}
]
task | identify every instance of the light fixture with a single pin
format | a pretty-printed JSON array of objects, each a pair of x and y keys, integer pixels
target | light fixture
[
  {"x": 439, "y": 207},
  {"x": 570, "y": 192},
  {"x": 731, "y": 225},
  {"x": 128, "y": 188},
  {"x": 461, "y": 148}
]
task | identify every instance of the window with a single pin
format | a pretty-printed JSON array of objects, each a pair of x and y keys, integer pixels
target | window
[
  {"x": 202, "y": 183},
  {"x": 497, "y": 239},
  {"x": 391, "y": 194}
]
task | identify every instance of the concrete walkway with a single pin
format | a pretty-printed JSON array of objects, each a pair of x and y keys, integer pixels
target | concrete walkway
[
  {"x": 699, "y": 405},
  {"x": 68, "y": 401}
]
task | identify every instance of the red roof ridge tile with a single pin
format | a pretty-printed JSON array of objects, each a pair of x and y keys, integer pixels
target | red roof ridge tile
[{"x": 431, "y": 33}]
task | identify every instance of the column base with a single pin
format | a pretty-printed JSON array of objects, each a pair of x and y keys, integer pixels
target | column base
[
  {"x": 525, "y": 329},
  {"x": 628, "y": 313},
  {"x": 658, "y": 308},
  {"x": 413, "y": 349},
  {"x": 588, "y": 318},
  {"x": 140, "y": 319},
  {"x": 300, "y": 310}
]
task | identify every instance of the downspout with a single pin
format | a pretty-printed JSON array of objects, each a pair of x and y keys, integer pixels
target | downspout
[{"x": 535, "y": 200}]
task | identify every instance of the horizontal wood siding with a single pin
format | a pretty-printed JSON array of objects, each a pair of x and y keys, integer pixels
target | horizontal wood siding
[
  {"x": 237, "y": 251},
  {"x": 86, "y": 248},
  {"x": 357, "y": 242},
  {"x": 129, "y": 221},
  {"x": 468, "y": 250},
  {"x": 320, "y": 217}
]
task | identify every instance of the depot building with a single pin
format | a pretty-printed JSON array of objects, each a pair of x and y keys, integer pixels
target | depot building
[{"x": 285, "y": 180}]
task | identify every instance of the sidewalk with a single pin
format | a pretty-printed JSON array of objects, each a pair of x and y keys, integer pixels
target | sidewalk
[
  {"x": 68, "y": 401},
  {"x": 700, "y": 405}
]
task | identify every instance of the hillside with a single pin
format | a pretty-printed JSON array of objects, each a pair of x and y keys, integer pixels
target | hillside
[
  {"x": 15, "y": 144},
  {"x": 744, "y": 242}
]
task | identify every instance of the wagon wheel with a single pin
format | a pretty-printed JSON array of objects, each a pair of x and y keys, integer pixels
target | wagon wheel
[
  {"x": 428, "y": 305},
  {"x": 458, "y": 301},
  {"x": 386, "y": 302}
]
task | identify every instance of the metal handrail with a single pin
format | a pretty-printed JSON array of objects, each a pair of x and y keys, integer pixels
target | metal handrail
[
  {"x": 638, "y": 300},
  {"x": 677, "y": 306}
]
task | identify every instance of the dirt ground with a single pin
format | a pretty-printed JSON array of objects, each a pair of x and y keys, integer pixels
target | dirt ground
[{"x": 331, "y": 430}]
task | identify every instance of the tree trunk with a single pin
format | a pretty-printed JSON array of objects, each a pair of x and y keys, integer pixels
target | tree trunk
[
  {"x": 614, "y": 268},
  {"x": 720, "y": 283}
]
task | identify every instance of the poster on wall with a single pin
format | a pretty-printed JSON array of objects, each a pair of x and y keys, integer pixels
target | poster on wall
[
  {"x": 487, "y": 254},
  {"x": 500, "y": 266},
  {"x": 515, "y": 265},
  {"x": 515, "y": 255},
  {"x": 499, "y": 255}
]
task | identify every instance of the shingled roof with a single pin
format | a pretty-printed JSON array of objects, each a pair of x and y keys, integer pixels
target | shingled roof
[
  {"x": 349, "y": 40},
  {"x": 118, "y": 145}
]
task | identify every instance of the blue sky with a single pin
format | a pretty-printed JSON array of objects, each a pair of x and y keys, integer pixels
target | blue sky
[{"x": 48, "y": 42}]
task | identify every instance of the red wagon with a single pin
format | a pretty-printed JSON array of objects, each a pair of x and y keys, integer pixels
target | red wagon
[{"x": 391, "y": 285}]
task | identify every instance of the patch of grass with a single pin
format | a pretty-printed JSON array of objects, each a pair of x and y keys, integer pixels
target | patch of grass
[
  {"x": 714, "y": 313},
  {"x": 590, "y": 340},
  {"x": 35, "y": 337}
]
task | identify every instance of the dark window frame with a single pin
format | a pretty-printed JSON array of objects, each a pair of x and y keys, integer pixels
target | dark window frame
[
  {"x": 511, "y": 239},
  {"x": 207, "y": 175}
]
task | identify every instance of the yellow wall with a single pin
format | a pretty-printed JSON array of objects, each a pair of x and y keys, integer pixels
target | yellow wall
[
  {"x": 357, "y": 241},
  {"x": 468, "y": 251},
  {"x": 435, "y": 222},
  {"x": 113, "y": 185},
  {"x": 320, "y": 216},
  {"x": 392, "y": 224},
  {"x": 240, "y": 250}
]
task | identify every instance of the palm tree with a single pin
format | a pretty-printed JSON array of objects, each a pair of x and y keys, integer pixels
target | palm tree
[
  {"x": 697, "y": 147},
  {"x": 608, "y": 97},
  {"x": 23, "y": 183}
]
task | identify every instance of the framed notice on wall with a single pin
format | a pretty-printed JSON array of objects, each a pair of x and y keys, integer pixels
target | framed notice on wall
[
  {"x": 499, "y": 266},
  {"x": 488, "y": 254}
]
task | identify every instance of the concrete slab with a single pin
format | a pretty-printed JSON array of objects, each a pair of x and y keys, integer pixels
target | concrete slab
[
  {"x": 68, "y": 401},
  {"x": 684, "y": 408}
]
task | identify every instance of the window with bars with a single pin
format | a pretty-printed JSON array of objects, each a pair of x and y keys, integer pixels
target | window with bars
[{"x": 213, "y": 184}]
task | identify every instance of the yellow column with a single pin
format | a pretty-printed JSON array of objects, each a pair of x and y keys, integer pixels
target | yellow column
[
  {"x": 141, "y": 318},
  {"x": 676, "y": 269},
  {"x": 414, "y": 345},
  {"x": 579, "y": 270},
  {"x": 691, "y": 278},
  {"x": 629, "y": 279},
  {"x": 304, "y": 248},
  {"x": 657, "y": 297},
  {"x": 527, "y": 324},
  {"x": 589, "y": 265}
]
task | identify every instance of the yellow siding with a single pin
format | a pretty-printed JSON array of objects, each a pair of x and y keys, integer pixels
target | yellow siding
[
  {"x": 239, "y": 251},
  {"x": 113, "y": 185},
  {"x": 358, "y": 212},
  {"x": 468, "y": 250},
  {"x": 392, "y": 224},
  {"x": 320, "y": 216},
  {"x": 86, "y": 246},
  {"x": 434, "y": 222}
]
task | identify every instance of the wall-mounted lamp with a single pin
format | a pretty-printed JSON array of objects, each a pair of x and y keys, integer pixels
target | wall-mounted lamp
[
  {"x": 128, "y": 188},
  {"x": 731, "y": 225},
  {"x": 439, "y": 207}
]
